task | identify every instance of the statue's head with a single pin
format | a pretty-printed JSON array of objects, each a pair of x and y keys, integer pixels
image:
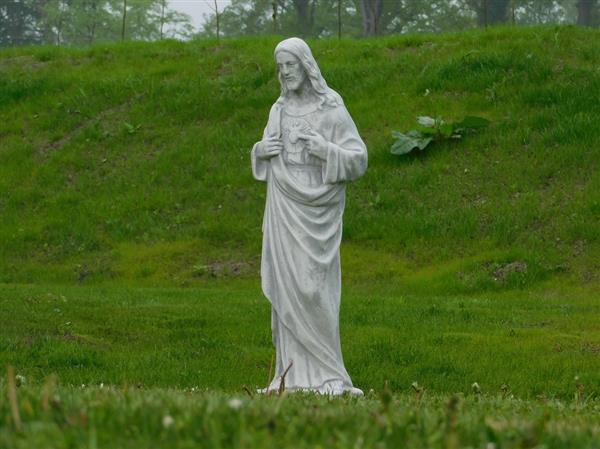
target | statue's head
[
  {"x": 296, "y": 66},
  {"x": 292, "y": 74}
]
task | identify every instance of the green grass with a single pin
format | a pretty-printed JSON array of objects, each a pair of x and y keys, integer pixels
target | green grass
[
  {"x": 130, "y": 242},
  {"x": 131, "y": 162},
  {"x": 135, "y": 367},
  {"x": 218, "y": 337},
  {"x": 131, "y": 418}
]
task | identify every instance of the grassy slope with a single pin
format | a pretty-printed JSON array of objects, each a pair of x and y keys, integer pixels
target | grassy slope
[{"x": 131, "y": 161}]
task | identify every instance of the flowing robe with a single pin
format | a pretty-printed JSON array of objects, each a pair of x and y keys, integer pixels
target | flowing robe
[{"x": 302, "y": 230}]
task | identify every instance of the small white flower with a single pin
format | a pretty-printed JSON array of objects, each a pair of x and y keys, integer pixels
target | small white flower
[
  {"x": 20, "y": 380},
  {"x": 416, "y": 387},
  {"x": 167, "y": 421},
  {"x": 235, "y": 403}
]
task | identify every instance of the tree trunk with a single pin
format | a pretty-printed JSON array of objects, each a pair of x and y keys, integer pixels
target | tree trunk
[
  {"x": 371, "y": 14},
  {"x": 490, "y": 12},
  {"x": 498, "y": 11},
  {"x": 305, "y": 9},
  {"x": 92, "y": 27},
  {"x": 585, "y": 12},
  {"x": 339, "y": 18},
  {"x": 512, "y": 12},
  {"x": 162, "y": 18},
  {"x": 59, "y": 25},
  {"x": 124, "y": 20},
  {"x": 218, "y": 21}
]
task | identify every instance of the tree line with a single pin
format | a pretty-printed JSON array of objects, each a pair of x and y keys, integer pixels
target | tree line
[
  {"x": 84, "y": 22},
  {"x": 354, "y": 18}
]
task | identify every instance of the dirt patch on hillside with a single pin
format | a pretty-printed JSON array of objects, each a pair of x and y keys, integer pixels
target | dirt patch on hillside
[
  {"x": 502, "y": 273},
  {"x": 25, "y": 62},
  {"x": 220, "y": 269}
]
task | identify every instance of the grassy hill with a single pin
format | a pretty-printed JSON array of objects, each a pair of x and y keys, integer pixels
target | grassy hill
[{"x": 130, "y": 162}]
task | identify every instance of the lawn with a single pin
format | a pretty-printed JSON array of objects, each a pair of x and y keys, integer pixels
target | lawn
[
  {"x": 218, "y": 337},
  {"x": 116, "y": 366},
  {"x": 130, "y": 305}
]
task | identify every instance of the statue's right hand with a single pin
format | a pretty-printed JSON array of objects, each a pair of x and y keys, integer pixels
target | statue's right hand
[{"x": 269, "y": 147}]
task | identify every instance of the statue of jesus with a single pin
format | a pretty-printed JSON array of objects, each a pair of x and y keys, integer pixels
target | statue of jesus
[{"x": 309, "y": 150}]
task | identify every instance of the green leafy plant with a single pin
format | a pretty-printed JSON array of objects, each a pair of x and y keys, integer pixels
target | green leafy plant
[
  {"x": 131, "y": 129},
  {"x": 434, "y": 130}
]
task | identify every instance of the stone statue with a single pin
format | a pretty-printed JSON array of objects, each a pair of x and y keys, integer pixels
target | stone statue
[{"x": 310, "y": 149}]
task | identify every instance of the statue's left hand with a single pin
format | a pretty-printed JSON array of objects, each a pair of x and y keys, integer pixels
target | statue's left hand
[{"x": 315, "y": 144}]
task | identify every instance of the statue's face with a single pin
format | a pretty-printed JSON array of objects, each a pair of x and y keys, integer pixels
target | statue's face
[{"x": 291, "y": 70}]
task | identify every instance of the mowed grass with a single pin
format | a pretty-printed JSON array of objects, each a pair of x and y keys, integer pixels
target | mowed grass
[
  {"x": 218, "y": 337},
  {"x": 131, "y": 161},
  {"x": 132, "y": 367}
]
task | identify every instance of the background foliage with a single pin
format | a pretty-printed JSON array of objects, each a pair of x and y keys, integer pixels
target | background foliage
[
  {"x": 83, "y": 22},
  {"x": 322, "y": 18}
]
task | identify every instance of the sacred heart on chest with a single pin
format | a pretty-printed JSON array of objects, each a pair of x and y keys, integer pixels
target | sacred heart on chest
[{"x": 294, "y": 128}]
